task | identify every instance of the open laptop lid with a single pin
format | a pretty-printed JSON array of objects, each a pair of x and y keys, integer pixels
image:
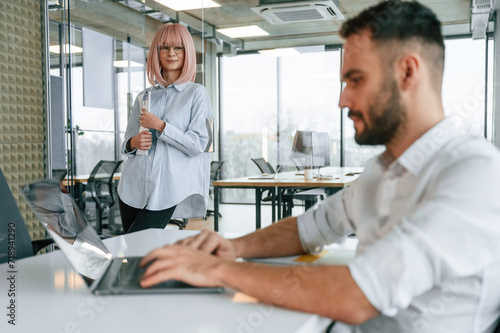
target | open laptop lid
[
  {"x": 85, "y": 251},
  {"x": 69, "y": 228}
]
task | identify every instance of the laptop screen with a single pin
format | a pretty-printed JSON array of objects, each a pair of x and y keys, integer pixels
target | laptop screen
[{"x": 73, "y": 234}]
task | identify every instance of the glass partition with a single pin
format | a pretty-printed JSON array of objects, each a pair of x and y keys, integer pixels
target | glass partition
[
  {"x": 263, "y": 100},
  {"x": 95, "y": 131},
  {"x": 464, "y": 83},
  {"x": 249, "y": 109},
  {"x": 278, "y": 96},
  {"x": 309, "y": 95}
]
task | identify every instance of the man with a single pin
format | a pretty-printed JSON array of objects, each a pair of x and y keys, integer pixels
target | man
[{"x": 426, "y": 211}]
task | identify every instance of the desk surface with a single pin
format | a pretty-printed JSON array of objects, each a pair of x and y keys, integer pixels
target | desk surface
[
  {"x": 340, "y": 177},
  {"x": 85, "y": 178},
  {"x": 51, "y": 297}
]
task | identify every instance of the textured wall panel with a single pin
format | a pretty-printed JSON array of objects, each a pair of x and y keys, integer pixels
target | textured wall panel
[{"x": 21, "y": 100}]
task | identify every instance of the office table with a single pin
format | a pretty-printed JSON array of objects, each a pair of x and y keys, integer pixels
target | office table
[
  {"x": 51, "y": 297},
  {"x": 340, "y": 177}
]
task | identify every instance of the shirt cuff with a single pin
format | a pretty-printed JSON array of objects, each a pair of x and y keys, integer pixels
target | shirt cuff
[
  {"x": 309, "y": 236},
  {"x": 125, "y": 151}
]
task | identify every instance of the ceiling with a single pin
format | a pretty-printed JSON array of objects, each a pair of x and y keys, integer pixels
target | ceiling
[{"x": 124, "y": 19}]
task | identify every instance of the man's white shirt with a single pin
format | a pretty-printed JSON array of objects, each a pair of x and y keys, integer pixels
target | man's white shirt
[{"x": 428, "y": 226}]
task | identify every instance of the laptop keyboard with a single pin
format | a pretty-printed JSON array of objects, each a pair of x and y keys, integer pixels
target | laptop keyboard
[{"x": 129, "y": 273}]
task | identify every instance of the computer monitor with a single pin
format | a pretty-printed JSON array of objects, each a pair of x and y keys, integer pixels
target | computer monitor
[{"x": 311, "y": 149}]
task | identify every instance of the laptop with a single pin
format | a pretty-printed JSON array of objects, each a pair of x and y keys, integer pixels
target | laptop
[
  {"x": 103, "y": 273},
  {"x": 266, "y": 175}
]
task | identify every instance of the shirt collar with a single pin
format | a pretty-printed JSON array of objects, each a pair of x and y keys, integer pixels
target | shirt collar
[
  {"x": 178, "y": 86},
  {"x": 421, "y": 151}
]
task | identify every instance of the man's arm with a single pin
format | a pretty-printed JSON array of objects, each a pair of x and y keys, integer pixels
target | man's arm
[
  {"x": 329, "y": 291},
  {"x": 279, "y": 239}
]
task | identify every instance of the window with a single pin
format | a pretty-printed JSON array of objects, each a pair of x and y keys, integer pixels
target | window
[
  {"x": 464, "y": 83},
  {"x": 309, "y": 98},
  {"x": 249, "y": 111},
  {"x": 265, "y": 100}
]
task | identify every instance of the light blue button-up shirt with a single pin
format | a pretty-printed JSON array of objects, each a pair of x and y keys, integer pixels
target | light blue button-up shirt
[{"x": 176, "y": 170}]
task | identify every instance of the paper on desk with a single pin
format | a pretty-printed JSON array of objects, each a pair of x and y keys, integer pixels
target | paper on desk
[
  {"x": 240, "y": 297},
  {"x": 328, "y": 257},
  {"x": 311, "y": 257},
  {"x": 143, "y": 104}
]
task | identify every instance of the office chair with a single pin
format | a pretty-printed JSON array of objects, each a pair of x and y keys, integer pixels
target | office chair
[
  {"x": 59, "y": 174},
  {"x": 497, "y": 328},
  {"x": 12, "y": 218},
  {"x": 181, "y": 223},
  {"x": 102, "y": 192},
  {"x": 215, "y": 170},
  {"x": 286, "y": 195},
  {"x": 263, "y": 165}
]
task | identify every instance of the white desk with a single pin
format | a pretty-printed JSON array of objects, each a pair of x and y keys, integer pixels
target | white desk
[{"x": 51, "y": 297}]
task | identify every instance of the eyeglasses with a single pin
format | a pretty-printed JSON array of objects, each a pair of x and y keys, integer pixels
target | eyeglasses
[{"x": 164, "y": 49}]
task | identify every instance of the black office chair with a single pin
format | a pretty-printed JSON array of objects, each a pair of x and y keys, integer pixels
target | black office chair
[
  {"x": 286, "y": 195},
  {"x": 12, "y": 218},
  {"x": 181, "y": 223},
  {"x": 101, "y": 191},
  {"x": 59, "y": 174},
  {"x": 215, "y": 170},
  {"x": 263, "y": 165},
  {"x": 497, "y": 329}
]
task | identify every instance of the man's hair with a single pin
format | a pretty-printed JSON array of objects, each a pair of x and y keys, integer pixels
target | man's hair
[{"x": 403, "y": 25}]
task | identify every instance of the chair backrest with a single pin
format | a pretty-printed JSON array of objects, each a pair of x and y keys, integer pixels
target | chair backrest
[
  {"x": 215, "y": 167},
  {"x": 263, "y": 166},
  {"x": 100, "y": 183},
  {"x": 497, "y": 329},
  {"x": 59, "y": 174},
  {"x": 12, "y": 225}
]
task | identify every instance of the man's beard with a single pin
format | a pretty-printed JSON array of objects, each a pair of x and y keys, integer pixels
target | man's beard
[{"x": 386, "y": 118}]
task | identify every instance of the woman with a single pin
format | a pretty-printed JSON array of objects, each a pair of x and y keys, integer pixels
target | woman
[{"x": 174, "y": 175}]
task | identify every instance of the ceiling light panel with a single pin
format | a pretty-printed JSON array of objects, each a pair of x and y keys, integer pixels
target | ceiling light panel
[
  {"x": 242, "y": 32},
  {"x": 180, "y": 5}
]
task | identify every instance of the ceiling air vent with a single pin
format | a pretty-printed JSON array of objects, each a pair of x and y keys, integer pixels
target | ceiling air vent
[{"x": 303, "y": 11}]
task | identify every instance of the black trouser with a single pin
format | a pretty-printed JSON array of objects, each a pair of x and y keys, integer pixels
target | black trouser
[{"x": 134, "y": 219}]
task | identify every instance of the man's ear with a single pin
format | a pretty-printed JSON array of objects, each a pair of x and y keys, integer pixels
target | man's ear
[{"x": 408, "y": 69}]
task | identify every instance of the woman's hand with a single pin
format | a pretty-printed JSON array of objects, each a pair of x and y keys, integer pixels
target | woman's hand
[
  {"x": 149, "y": 120},
  {"x": 141, "y": 141}
]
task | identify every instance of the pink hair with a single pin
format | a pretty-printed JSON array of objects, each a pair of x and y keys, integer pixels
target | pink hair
[{"x": 172, "y": 34}]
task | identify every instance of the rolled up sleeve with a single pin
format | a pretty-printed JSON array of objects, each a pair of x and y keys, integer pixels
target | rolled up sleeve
[
  {"x": 327, "y": 223},
  {"x": 393, "y": 271}
]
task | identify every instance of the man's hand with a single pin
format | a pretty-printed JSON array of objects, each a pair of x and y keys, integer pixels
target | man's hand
[
  {"x": 149, "y": 120},
  {"x": 180, "y": 263},
  {"x": 142, "y": 141},
  {"x": 211, "y": 242}
]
